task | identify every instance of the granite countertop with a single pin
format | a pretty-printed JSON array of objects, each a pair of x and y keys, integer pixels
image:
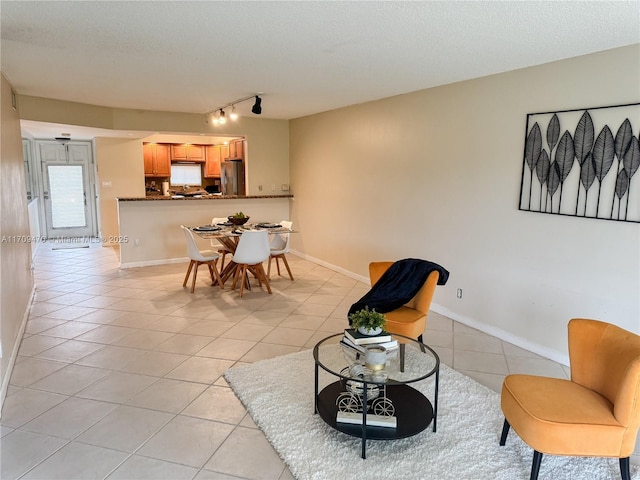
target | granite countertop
[{"x": 155, "y": 198}]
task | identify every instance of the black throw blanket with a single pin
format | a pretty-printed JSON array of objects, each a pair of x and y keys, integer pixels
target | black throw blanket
[{"x": 399, "y": 284}]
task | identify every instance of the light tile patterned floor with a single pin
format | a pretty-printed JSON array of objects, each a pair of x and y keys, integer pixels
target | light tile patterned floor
[{"x": 119, "y": 371}]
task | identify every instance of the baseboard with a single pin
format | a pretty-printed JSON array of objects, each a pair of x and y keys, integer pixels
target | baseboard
[
  {"x": 330, "y": 266},
  {"x": 14, "y": 351},
  {"x": 549, "y": 353}
]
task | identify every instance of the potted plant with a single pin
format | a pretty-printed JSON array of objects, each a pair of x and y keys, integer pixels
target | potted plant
[
  {"x": 238, "y": 218},
  {"x": 368, "y": 322}
]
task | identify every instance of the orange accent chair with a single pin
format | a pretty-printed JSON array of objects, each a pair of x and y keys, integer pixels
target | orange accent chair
[
  {"x": 410, "y": 319},
  {"x": 595, "y": 414}
]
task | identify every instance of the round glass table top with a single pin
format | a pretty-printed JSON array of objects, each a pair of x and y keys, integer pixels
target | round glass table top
[{"x": 410, "y": 361}]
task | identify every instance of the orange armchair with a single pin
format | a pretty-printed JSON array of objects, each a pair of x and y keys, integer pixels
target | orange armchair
[
  {"x": 596, "y": 413},
  {"x": 410, "y": 319}
]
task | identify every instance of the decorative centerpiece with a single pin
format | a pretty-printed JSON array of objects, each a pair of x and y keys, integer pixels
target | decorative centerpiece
[
  {"x": 368, "y": 322},
  {"x": 238, "y": 218}
]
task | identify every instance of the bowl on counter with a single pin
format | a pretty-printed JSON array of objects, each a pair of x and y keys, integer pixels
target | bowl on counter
[{"x": 238, "y": 220}]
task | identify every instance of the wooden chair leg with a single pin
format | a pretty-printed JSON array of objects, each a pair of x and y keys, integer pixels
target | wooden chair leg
[
  {"x": 286, "y": 264},
  {"x": 243, "y": 275},
  {"x": 505, "y": 429},
  {"x": 195, "y": 274},
  {"x": 278, "y": 264},
  {"x": 224, "y": 255},
  {"x": 236, "y": 274},
  {"x": 269, "y": 267},
  {"x": 215, "y": 274},
  {"x": 186, "y": 277},
  {"x": 625, "y": 469},
  {"x": 261, "y": 272},
  {"x": 535, "y": 465}
]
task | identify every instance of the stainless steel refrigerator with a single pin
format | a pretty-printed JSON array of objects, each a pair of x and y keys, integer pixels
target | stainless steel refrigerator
[{"x": 232, "y": 177}]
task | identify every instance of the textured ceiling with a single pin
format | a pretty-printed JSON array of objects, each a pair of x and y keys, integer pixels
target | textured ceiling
[{"x": 305, "y": 56}]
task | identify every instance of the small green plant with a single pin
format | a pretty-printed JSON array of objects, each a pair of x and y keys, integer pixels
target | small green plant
[
  {"x": 367, "y": 319},
  {"x": 238, "y": 215}
]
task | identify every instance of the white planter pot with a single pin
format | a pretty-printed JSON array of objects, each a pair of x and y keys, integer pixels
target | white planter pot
[{"x": 366, "y": 331}]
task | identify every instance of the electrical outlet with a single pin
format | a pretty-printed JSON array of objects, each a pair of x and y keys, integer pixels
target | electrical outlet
[
  {"x": 284, "y": 187},
  {"x": 273, "y": 187},
  {"x": 459, "y": 293},
  {"x": 259, "y": 188}
]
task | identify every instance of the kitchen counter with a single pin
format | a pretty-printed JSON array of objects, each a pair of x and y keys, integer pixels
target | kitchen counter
[
  {"x": 149, "y": 227},
  {"x": 201, "y": 197}
]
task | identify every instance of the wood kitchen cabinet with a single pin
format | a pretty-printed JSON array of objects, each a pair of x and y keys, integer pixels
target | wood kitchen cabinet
[
  {"x": 224, "y": 152},
  {"x": 212, "y": 164},
  {"x": 157, "y": 160},
  {"x": 192, "y": 153},
  {"x": 236, "y": 149}
]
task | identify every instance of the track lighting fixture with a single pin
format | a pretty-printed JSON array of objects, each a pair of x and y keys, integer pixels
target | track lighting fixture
[
  {"x": 257, "y": 108},
  {"x": 218, "y": 115}
]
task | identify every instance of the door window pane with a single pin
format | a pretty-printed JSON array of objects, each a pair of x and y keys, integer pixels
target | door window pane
[{"x": 67, "y": 196}]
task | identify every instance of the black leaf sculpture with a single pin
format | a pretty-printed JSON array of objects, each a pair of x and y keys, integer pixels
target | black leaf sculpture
[
  {"x": 583, "y": 137},
  {"x": 554, "y": 181},
  {"x": 587, "y": 177},
  {"x": 553, "y": 132},
  {"x": 568, "y": 152},
  {"x": 622, "y": 142},
  {"x": 565, "y": 155},
  {"x": 583, "y": 143},
  {"x": 622, "y": 183},
  {"x": 588, "y": 173},
  {"x": 532, "y": 152},
  {"x": 603, "y": 153},
  {"x": 623, "y": 138},
  {"x": 631, "y": 162},
  {"x": 542, "y": 172}
]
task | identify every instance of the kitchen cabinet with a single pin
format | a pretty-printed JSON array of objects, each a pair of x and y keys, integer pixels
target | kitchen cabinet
[
  {"x": 224, "y": 152},
  {"x": 236, "y": 149},
  {"x": 212, "y": 164},
  {"x": 157, "y": 160},
  {"x": 190, "y": 153}
]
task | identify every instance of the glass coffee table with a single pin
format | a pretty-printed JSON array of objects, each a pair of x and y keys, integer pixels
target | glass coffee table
[{"x": 379, "y": 403}]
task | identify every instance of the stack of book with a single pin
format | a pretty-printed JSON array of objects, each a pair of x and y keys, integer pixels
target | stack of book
[{"x": 357, "y": 341}]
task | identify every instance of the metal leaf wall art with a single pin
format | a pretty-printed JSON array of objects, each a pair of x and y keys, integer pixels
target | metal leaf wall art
[{"x": 574, "y": 165}]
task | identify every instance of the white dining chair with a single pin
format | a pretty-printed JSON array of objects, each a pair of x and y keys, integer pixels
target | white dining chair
[
  {"x": 252, "y": 250},
  {"x": 222, "y": 250},
  {"x": 279, "y": 246},
  {"x": 199, "y": 257}
]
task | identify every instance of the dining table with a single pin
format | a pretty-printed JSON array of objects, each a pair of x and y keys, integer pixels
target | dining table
[{"x": 228, "y": 235}]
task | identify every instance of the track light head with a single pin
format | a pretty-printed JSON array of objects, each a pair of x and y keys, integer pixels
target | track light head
[
  {"x": 233, "y": 115},
  {"x": 222, "y": 119},
  {"x": 257, "y": 108}
]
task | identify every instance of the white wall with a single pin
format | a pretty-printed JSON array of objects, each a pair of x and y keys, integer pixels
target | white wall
[{"x": 435, "y": 174}]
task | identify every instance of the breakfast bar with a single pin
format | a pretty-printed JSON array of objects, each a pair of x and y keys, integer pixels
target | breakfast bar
[{"x": 150, "y": 226}]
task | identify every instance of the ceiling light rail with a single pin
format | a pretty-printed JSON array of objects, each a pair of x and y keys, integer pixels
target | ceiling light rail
[{"x": 218, "y": 116}]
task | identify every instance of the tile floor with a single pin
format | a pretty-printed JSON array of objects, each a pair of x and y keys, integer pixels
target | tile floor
[{"x": 119, "y": 374}]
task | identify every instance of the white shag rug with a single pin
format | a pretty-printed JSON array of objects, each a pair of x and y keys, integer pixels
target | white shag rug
[{"x": 278, "y": 393}]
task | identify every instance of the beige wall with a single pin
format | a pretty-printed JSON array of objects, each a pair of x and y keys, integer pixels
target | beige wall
[
  {"x": 16, "y": 280},
  {"x": 435, "y": 174},
  {"x": 267, "y": 139},
  {"x": 119, "y": 175}
]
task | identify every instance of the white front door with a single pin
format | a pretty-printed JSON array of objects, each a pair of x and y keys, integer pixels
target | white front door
[{"x": 67, "y": 189}]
